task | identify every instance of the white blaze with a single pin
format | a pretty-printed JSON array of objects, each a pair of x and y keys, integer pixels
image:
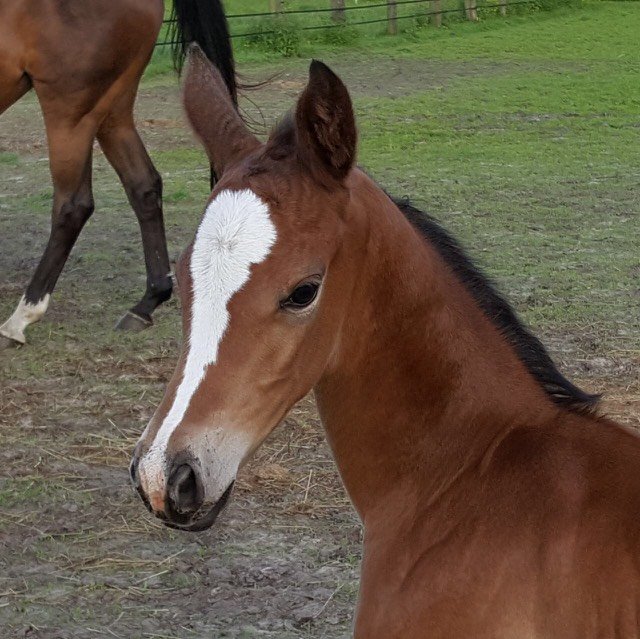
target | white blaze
[{"x": 235, "y": 233}]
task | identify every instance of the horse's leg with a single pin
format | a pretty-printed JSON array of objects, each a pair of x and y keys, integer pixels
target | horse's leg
[
  {"x": 70, "y": 163},
  {"x": 12, "y": 89},
  {"x": 126, "y": 153},
  {"x": 14, "y": 82}
]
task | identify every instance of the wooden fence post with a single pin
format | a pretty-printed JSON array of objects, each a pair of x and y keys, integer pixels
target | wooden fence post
[
  {"x": 337, "y": 15},
  {"x": 471, "y": 10},
  {"x": 392, "y": 17},
  {"x": 503, "y": 7},
  {"x": 436, "y": 17},
  {"x": 276, "y": 6}
]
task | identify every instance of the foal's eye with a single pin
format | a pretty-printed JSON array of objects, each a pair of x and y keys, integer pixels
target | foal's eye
[{"x": 302, "y": 296}]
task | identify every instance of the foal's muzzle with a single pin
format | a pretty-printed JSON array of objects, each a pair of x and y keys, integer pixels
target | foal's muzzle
[{"x": 184, "y": 505}]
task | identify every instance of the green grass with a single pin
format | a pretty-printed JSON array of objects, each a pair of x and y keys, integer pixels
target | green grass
[
  {"x": 545, "y": 156},
  {"x": 532, "y": 160},
  {"x": 10, "y": 159},
  {"x": 304, "y": 34},
  {"x": 524, "y": 142}
]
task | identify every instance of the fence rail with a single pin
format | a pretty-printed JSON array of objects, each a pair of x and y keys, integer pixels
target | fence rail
[{"x": 338, "y": 11}]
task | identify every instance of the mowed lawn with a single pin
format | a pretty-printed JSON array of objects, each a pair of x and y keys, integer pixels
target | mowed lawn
[{"x": 521, "y": 135}]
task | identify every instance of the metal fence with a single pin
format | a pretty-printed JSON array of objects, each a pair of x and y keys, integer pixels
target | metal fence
[{"x": 340, "y": 15}]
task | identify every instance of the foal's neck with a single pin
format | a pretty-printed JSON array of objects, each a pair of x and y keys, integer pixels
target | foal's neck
[{"x": 423, "y": 385}]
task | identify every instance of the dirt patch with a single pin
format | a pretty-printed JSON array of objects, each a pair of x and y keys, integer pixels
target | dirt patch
[{"x": 80, "y": 557}]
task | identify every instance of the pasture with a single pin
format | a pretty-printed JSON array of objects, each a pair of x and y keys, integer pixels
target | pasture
[{"x": 521, "y": 136}]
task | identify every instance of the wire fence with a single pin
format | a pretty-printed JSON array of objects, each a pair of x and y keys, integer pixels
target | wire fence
[{"x": 468, "y": 11}]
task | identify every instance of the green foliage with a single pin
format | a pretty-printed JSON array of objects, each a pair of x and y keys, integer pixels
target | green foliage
[
  {"x": 279, "y": 34},
  {"x": 549, "y": 5},
  {"x": 341, "y": 35},
  {"x": 273, "y": 36}
]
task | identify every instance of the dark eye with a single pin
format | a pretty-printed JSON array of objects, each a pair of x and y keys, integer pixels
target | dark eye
[{"x": 302, "y": 296}]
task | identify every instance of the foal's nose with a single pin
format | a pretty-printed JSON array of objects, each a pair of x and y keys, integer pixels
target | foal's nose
[{"x": 184, "y": 491}]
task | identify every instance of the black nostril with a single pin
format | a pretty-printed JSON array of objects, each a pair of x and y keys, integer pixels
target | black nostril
[
  {"x": 185, "y": 491},
  {"x": 135, "y": 480},
  {"x": 133, "y": 470}
]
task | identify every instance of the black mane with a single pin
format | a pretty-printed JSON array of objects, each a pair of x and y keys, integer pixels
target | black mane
[{"x": 528, "y": 347}]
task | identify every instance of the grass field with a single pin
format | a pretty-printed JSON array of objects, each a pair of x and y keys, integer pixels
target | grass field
[
  {"x": 521, "y": 135},
  {"x": 303, "y": 29}
]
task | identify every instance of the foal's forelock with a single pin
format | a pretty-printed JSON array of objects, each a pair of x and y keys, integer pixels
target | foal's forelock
[{"x": 236, "y": 232}]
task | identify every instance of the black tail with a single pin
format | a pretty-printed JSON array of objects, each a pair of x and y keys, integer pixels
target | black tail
[{"x": 204, "y": 22}]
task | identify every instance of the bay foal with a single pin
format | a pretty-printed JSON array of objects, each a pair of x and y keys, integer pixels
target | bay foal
[
  {"x": 84, "y": 59},
  {"x": 495, "y": 502}
]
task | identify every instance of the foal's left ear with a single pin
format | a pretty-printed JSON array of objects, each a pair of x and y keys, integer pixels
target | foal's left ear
[{"x": 325, "y": 125}]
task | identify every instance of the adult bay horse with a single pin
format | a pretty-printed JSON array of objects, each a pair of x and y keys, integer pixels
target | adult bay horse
[
  {"x": 84, "y": 59},
  {"x": 496, "y": 503}
]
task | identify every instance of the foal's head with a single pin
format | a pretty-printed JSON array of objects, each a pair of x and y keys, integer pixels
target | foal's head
[{"x": 263, "y": 288}]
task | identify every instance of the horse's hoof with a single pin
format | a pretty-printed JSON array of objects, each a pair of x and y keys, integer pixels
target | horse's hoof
[
  {"x": 133, "y": 323},
  {"x": 7, "y": 342}
]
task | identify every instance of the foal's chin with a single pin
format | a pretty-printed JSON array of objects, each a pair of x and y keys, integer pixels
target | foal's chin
[{"x": 203, "y": 521}]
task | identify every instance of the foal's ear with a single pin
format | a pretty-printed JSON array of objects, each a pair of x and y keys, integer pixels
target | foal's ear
[
  {"x": 212, "y": 113},
  {"x": 325, "y": 125}
]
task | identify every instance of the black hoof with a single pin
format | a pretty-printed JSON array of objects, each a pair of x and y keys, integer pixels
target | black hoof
[
  {"x": 133, "y": 323},
  {"x": 7, "y": 342}
]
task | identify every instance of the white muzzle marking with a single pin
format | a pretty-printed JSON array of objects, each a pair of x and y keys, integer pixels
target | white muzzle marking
[{"x": 235, "y": 233}]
